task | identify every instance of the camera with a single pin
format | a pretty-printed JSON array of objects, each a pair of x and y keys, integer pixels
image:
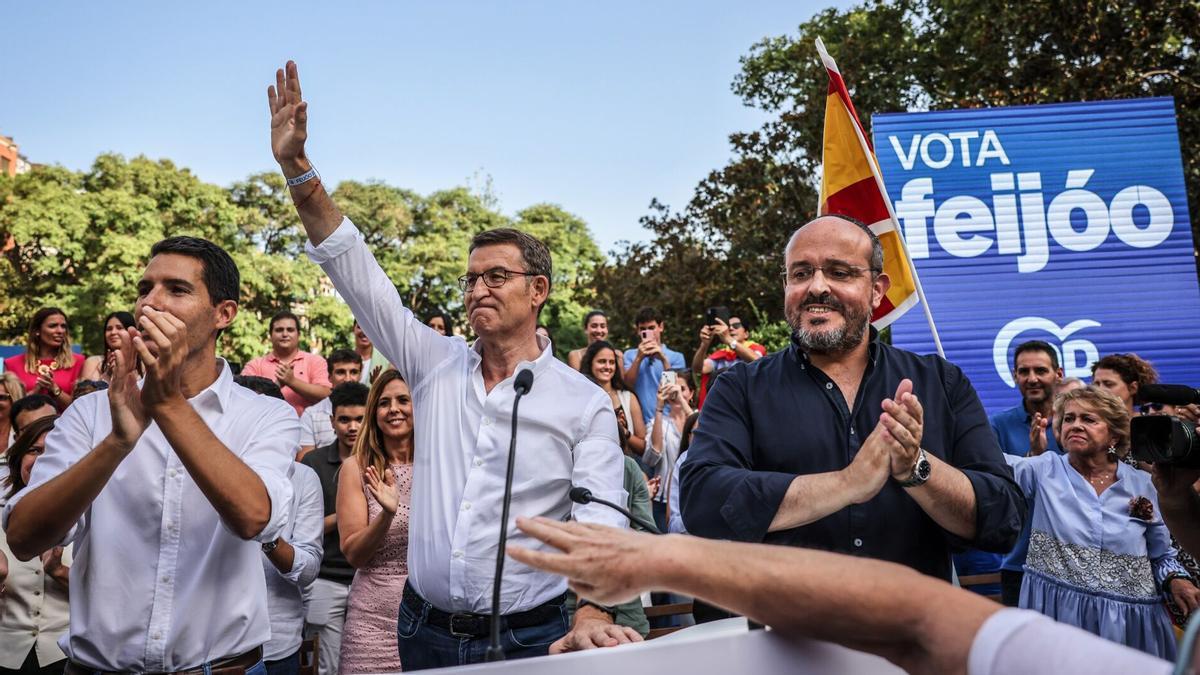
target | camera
[{"x": 1165, "y": 439}]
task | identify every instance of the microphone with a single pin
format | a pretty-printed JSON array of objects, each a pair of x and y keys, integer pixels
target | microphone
[
  {"x": 1170, "y": 394},
  {"x": 521, "y": 385},
  {"x": 582, "y": 495}
]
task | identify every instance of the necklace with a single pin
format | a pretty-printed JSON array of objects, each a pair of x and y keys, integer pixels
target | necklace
[{"x": 1101, "y": 479}]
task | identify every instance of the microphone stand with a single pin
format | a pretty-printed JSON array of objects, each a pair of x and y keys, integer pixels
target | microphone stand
[{"x": 522, "y": 385}]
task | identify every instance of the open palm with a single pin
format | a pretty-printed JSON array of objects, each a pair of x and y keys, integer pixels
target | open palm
[{"x": 289, "y": 115}]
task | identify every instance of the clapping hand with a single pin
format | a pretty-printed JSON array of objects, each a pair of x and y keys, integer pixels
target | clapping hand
[
  {"x": 124, "y": 399},
  {"x": 285, "y": 374},
  {"x": 163, "y": 385},
  {"x": 52, "y": 560},
  {"x": 1037, "y": 435},
  {"x": 904, "y": 419},
  {"x": 45, "y": 381},
  {"x": 383, "y": 489}
]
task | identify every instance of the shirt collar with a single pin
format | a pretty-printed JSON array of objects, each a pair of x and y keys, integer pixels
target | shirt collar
[
  {"x": 219, "y": 391},
  {"x": 334, "y": 455},
  {"x": 538, "y": 365}
]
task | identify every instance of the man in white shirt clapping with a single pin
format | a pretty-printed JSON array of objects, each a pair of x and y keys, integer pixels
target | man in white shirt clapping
[
  {"x": 463, "y": 402},
  {"x": 167, "y": 486}
]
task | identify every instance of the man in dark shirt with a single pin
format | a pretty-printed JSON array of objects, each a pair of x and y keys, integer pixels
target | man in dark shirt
[
  {"x": 327, "y": 603},
  {"x": 841, "y": 442}
]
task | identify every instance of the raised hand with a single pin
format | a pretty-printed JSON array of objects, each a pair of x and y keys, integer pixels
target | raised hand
[
  {"x": 721, "y": 331},
  {"x": 1037, "y": 435},
  {"x": 383, "y": 489},
  {"x": 289, "y": 121},
  {"x": 164, "y": 364},
  {"x": 124, "y": 399}
]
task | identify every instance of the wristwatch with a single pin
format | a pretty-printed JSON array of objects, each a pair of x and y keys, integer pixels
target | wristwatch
[
  {"x": 270, "y": 546},
  {"x": 611, "y": 611},
  {"x": 733, "y": 345},
  {"x": 920, "y": 472}
]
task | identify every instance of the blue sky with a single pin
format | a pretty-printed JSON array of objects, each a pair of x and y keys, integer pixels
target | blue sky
[{"x": 598, "y": 107}]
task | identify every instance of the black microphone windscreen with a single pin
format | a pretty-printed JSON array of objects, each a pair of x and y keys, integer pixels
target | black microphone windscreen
[
  {"x": 580, "y": 495},
  {"x": 1170, "y": 394},
  {"x": 524, "y": 381}
]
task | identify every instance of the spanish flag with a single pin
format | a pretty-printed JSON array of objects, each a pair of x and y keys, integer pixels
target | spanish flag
[{"x": 851, "y": 185}]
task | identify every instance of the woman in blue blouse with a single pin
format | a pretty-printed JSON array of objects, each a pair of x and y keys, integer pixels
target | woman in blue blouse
[{"x": 1100, "y": 557}]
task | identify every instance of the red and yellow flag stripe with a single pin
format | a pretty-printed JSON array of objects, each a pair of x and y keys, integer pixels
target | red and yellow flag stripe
[{"x": 851, "y": 186}]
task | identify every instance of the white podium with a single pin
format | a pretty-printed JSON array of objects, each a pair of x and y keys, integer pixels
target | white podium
[{"x": 725, "y": 647}]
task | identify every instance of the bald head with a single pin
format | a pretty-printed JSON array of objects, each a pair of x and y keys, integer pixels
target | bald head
[{"x": 844, "y": 229}]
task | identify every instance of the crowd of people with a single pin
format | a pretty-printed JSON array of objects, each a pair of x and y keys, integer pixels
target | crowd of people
[{"x": 164, "y": 513}]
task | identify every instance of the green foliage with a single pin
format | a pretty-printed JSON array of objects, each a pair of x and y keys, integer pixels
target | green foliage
[{"x": 80, "y": 240}]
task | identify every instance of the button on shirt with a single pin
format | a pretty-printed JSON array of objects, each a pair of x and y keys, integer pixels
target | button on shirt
[
  {"x": 567, "y": 435},
  {"x": 766, "y": 422},
  {"x": 159, "y": 582},
  {"x": 1012, "y": 432},
  {"x": 285, "y": 592},
  {"x": 33, "y": 611}
]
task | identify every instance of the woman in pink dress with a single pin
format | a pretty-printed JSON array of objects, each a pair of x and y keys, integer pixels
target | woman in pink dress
[
  {"x": 47, "y": 366},
  {"x": 372, "y": 512}
]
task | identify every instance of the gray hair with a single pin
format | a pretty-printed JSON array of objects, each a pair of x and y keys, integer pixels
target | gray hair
[
  {"x": 534, "y": 253},
  {"x": 876, "y": 261}
]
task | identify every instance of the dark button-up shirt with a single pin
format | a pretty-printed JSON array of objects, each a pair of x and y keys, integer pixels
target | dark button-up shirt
[
  {"x": 328, "y": 463},
  {"x": 766, "y": 422}
]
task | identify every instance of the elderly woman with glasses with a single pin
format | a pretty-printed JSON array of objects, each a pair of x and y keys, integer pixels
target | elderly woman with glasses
[{"x": 1100, "y": 556}]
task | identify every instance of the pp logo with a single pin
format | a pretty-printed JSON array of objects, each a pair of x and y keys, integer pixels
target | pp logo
[{"x": 1076, "y": 356}]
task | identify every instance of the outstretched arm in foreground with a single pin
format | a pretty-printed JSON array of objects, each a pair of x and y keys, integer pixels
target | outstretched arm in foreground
[{"x": 920, "y": 623}]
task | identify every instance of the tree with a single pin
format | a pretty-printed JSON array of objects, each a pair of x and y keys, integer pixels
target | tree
[
  {"x": 80, "y": 240},
  {"x": 726, "y": 244}
]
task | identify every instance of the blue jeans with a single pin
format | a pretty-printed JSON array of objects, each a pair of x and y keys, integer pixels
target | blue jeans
[
  {"x": 288, "y": 665},
  {"x": 424, "y": 646}
]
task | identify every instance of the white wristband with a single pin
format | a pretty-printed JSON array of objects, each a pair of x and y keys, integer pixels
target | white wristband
[{"x": 302, "y": 178}]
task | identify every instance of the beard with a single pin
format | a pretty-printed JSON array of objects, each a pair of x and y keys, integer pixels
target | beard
[{"x": 843, "y": 339}]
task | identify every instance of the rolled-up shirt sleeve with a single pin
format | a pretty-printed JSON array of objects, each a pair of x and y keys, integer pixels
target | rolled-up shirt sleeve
[
  {"x": 721, "y": 495},
  {"x": 1000, "y": 505},
  {"x": 414, "y": 348},
  {"x": 600, "y": 465},
  {"x": 270, "y": 453},
  {"x": 308, "y": 530}
]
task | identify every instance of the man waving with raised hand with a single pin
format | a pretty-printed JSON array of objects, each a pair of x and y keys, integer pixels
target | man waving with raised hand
[{"x": 463, "y": 402}]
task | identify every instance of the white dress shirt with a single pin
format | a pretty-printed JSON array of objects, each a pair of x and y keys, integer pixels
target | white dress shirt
[
  {"x": 286, "y": 593},
  {"x": 316, "y": 424},
  {"x": 33, "y": 611},
  {"x": 1016, "y": 641},
  {"x": 160, "y": 583},
  {"x": 567, "y": 436}
]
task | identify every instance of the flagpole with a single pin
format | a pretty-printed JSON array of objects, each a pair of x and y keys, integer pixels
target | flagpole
[{"x": 912, "y": 266}]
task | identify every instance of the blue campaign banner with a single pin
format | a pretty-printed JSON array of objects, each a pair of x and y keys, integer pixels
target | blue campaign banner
[{"x": 1066, "y": 223}]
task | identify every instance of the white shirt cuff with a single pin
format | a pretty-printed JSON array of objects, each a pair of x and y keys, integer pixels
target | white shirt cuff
[
  {"x": 992, "y": 637},
  {"x": 343, "y": 238}
]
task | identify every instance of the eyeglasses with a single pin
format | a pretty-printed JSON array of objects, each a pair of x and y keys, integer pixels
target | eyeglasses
[
  {"x": 736, "y": 325},
  {"x": 835, "y": 272},
  {"x": 493, "y": 278},
  {"x": 5, "y": 397}
]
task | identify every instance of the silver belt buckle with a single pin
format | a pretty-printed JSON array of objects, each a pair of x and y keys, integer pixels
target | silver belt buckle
[{"x": 457, "y": 633}]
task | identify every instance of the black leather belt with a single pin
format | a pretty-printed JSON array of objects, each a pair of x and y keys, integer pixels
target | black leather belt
[{"x": 469, "y": 624}]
